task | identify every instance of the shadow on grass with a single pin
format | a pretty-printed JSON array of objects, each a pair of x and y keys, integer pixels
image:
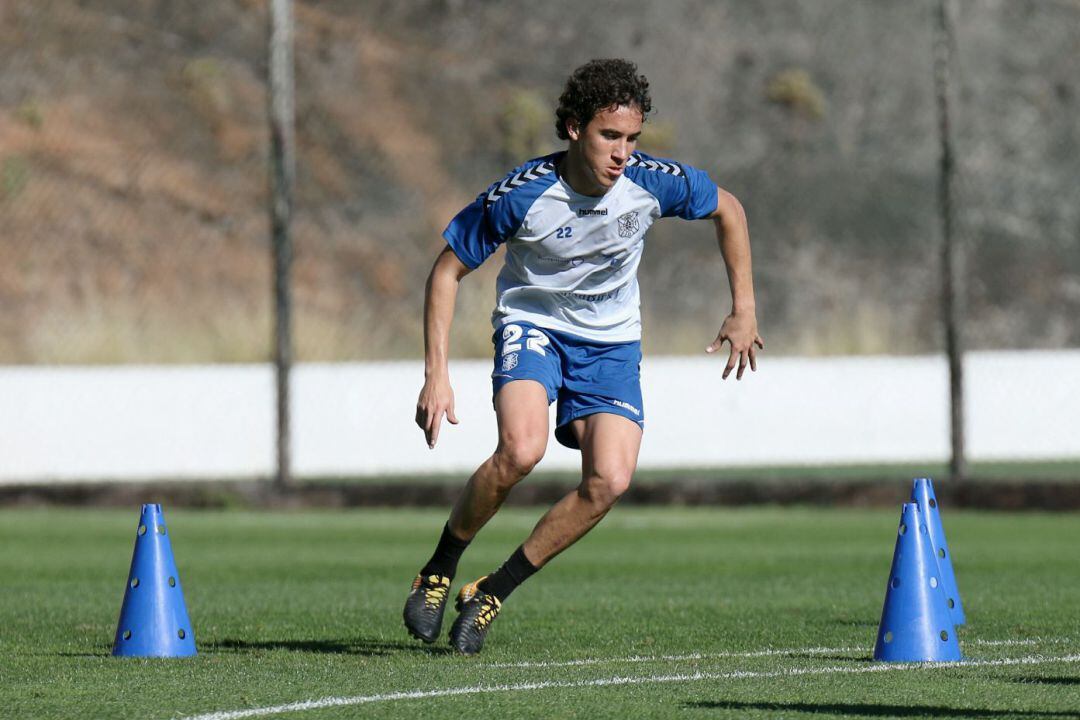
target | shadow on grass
[
  {"x": 357, "y": 646},
  {"x": 1050, "y": 680},
  {"x": 819, "y": 656},
  {"x": 875, "y": 710}
]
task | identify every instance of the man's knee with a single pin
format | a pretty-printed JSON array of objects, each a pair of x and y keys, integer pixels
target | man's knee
[
  {"x": 516, "y": 458},
  {"x": 606, "y": 484}
]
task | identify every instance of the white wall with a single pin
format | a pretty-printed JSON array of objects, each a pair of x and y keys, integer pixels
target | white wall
[{"x": 357, "y": 419}]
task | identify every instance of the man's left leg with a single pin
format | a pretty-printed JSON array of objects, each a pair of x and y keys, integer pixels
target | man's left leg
[{"x": 609, "y": 451}]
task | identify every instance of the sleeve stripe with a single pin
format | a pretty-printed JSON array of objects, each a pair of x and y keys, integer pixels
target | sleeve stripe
[
  {"x": 669, "y": 168},
  {"x": 516, "y": 181}
]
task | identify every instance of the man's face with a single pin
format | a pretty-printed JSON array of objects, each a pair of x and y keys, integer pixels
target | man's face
[{"x": 605, "y": 144}]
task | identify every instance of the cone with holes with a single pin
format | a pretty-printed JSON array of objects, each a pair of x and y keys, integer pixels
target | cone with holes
[
  {"x": 915, "y": 621},
  {"x": 922, "y": 492},
  {"x": 153, "y": 619}
]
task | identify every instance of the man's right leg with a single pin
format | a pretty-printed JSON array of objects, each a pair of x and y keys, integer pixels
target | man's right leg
[{"x": 521, "y": 408}]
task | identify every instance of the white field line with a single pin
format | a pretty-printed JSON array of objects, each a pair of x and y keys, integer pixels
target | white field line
[
  {"x": 329, "y": 702},
  {"x": 768, "y": 652}
]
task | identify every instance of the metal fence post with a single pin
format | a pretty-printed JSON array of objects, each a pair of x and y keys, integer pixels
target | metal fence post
[
  {"x": 952, "y": 282},
  {"x": 282, "y": 174}
]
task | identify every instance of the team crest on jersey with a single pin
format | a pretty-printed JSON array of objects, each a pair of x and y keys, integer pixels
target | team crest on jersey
[
  {"x": 628, "y": 224},
  {"x": 509, "y": 362}
]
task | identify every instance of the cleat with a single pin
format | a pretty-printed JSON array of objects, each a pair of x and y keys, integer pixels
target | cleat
[
  {"x": 425, "y": 606},
  {"x": 477, "y": 609}
]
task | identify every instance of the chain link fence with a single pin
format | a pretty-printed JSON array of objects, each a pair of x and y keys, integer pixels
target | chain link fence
[
  {"x": 132, "y": 182},
  {"x": 133, "y": 169},
  {"x": 1018, "y": 151}
]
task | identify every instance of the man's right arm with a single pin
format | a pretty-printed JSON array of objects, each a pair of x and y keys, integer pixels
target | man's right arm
[{"x": 437, "y": 396}]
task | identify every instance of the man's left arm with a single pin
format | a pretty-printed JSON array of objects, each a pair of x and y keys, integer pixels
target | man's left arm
[{"x": 740, "y": 326}]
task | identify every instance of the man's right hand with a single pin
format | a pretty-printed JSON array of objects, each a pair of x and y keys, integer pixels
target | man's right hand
[{"x": 436, "y": 399}]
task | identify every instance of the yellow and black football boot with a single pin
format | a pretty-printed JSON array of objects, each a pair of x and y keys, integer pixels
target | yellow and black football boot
[
  {"x": 476, "y": 610},
  {"x": 425, "y": 606}
]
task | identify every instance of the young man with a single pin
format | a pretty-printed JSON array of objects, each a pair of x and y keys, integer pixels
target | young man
[{"x": 567, "y": 328}]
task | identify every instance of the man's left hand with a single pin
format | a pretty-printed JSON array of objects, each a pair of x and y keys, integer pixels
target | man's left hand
[{"x": 740, "y": 330}]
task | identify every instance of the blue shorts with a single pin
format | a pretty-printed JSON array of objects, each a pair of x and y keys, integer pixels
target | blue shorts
[{"x": 586, "y": 377}]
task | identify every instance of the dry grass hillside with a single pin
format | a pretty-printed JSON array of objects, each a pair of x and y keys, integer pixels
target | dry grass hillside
[{"x": 133, "y": 149}]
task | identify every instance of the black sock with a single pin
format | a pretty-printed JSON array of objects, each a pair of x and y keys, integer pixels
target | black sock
[
  {"x": 447, "y": 554},
  {"x": 513, "y": 572}
]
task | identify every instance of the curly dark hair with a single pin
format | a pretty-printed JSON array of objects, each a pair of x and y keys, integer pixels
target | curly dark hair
[{"x": 598, "y": 85}]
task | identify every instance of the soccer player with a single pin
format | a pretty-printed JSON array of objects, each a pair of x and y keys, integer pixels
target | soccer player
[{"x": 567, "y": 329}]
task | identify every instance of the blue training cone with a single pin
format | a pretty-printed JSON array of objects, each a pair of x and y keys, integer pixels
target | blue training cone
[
  {"x": 153, "y": 619},
  {"x": 922, "y": 492},
  {"x": 915, "y": 621}
]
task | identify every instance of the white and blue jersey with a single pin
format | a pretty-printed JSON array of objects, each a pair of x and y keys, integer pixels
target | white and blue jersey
[{"x": 572, "y": 259}]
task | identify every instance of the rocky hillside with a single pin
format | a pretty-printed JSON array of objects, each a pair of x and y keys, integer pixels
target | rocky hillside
[{"x": 133, "y": 182}]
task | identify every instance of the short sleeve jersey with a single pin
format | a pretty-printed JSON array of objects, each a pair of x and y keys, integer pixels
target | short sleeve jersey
[{"x": 572, "y": 259}]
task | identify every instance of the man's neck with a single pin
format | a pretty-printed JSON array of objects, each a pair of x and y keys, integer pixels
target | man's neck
[{"x": 572, "y": 169}]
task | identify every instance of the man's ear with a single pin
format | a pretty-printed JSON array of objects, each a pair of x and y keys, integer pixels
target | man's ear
[{"x": 573, "y": 128}]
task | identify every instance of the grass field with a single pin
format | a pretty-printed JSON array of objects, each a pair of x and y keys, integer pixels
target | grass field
[{"x": 673, "y": 613}]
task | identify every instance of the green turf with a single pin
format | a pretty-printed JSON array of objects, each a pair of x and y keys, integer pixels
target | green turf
[{"x": 302, "y": 606}]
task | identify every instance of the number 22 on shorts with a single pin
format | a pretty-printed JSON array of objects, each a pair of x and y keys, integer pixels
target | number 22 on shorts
[{"x": 535, "y": 341}]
